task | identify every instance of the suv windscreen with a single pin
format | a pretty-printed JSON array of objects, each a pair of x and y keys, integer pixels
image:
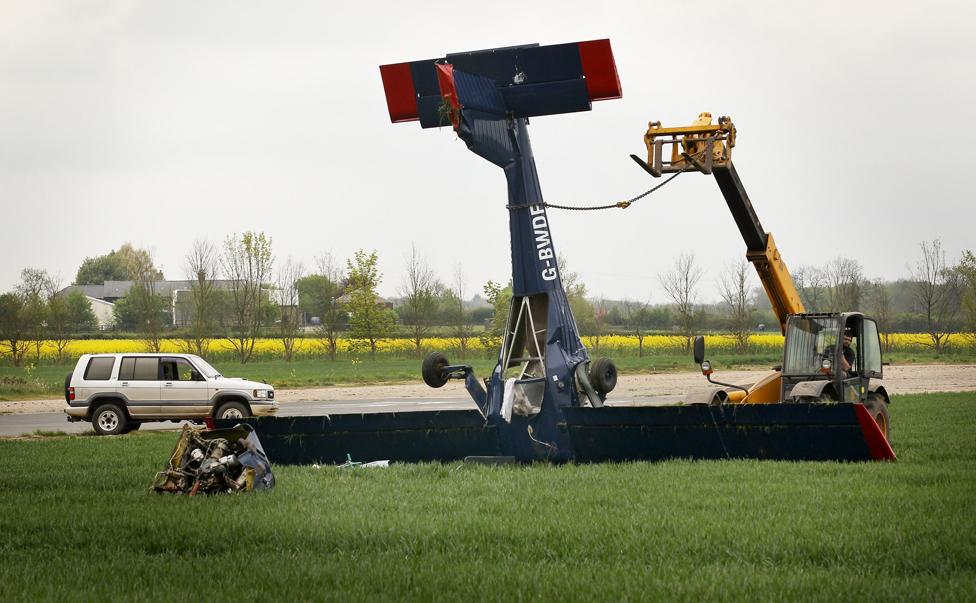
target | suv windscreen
[
  {"x": 100, "y": 368},
  {"x": 134, "y": 368},
  {"x": 808, "y": 342},
  {"x": 205, "y": 367}
]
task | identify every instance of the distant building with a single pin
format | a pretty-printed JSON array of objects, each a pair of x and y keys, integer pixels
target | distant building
[
  {"x": 104, "y": 312},
  {"x": 103, "y": 297}
]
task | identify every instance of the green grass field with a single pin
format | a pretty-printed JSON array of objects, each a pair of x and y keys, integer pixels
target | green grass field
[
  {"x": 78, "y": 523},
  {"x": 47, "y": 380}
]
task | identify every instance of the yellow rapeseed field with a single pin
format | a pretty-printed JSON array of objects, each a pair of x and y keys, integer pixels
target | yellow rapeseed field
[{"x": 621, "y": 344}]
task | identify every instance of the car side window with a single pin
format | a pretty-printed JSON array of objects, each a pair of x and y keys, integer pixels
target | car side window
[
  {"x": 146, "y": 369},
  {"x": 100, "y": 368},
  {"x": 178, "y": 369},
  {"x": 127, "y": 368},
  {"x": 185, "y": 370}
]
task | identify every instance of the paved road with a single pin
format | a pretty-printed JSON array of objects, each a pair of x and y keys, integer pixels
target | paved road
[{"x": 23, "y": 424}]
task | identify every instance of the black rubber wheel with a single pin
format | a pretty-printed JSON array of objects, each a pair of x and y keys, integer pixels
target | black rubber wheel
[
  {"x": 433, "y": 369},
  {"x": 878, "y": 408},
  {"x": 232, "y": 410},
  {"x": 110, "y": 419},
  {"x": 603, "y": 375},
  {"x": 67, "y": 384}
]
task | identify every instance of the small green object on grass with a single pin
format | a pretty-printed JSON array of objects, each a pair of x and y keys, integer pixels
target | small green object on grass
[{"x": 349, "y": 462}]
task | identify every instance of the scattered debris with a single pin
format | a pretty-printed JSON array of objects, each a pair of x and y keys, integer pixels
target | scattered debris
[
  {"x": 351, "y": 464},
  {"x": 218, "y": 460}
]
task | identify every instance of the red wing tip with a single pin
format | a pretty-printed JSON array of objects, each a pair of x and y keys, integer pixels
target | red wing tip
[
  {"x": 877, "y": 443},
  {"x": 401, "y": 97}
]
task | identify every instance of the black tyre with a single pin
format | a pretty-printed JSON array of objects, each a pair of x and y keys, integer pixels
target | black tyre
[
  {"x": 110, "y": 419},
  {"x": 603, "y": 375},
  {"x": 232, "y": 410},
  {"x": 433, "y": 369},
  {"x": 67, "y": 384},
  {"x": 878, "y": 409}
]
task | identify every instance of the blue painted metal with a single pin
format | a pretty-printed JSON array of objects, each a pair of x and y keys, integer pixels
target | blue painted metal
[
  {"x": 826, "y": 432},
  {"x": 475, "y": 390},
  {"x": 489, "y": 132},
  {"x": 533, "y": 80}
]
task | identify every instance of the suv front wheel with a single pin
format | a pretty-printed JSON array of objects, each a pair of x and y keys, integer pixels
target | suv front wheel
[
  {"x": 109, "y": 419},
  {"x": 232, "y": 410}
]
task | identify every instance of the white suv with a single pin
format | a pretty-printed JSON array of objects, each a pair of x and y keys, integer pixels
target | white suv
[{"x": 118, "y": 392}]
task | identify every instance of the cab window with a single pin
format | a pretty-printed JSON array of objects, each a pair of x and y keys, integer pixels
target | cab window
[
  {"x": 808, "y": 342},
  {"x": 872, "y": 349}
]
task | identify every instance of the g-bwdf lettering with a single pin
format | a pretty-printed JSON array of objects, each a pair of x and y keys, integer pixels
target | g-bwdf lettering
[{"x": 543, "y": 242}]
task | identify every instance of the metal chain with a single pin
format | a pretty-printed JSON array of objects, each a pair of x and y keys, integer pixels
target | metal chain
[{"x": 618, "y": 204}]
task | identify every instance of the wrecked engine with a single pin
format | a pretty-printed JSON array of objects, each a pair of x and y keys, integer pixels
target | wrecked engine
[{"x": 212, "y": 461}]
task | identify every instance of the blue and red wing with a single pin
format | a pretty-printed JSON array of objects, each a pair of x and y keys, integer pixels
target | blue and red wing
[{"x": 533, "y": 80}]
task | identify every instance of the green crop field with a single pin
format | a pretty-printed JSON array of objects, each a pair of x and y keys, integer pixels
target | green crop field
[{"x": 77, "y": 522}]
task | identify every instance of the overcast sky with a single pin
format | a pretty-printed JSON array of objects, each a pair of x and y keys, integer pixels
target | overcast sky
[{"x": 162, "y": 122}]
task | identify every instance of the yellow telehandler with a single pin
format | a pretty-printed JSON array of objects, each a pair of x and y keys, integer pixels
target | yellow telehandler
[{"x": 827, "y": 357}]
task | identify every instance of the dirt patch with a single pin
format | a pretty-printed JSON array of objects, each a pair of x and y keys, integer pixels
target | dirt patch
[
  {"x": 18, "y": 407},
  {"x": 905, "y": 379}
]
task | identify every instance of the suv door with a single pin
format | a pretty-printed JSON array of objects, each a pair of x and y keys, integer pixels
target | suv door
[
  {"x": 184, "y": 391},
  {"x": 139, "y": 383}
]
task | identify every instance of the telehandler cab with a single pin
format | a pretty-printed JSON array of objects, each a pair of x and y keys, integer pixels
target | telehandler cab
[{"x": 814, "y": 367}]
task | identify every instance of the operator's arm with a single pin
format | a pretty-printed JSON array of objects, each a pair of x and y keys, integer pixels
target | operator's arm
[{"x": 847, "y": 360}]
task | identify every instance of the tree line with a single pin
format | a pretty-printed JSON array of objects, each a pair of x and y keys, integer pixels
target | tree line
[
  {"x": 938, "y": 298},
  {"x": 237, "y": 292}
]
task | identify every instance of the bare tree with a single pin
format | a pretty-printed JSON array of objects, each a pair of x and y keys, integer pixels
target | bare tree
[
  {"x": 881, "y": 309},
  {"x": 420, "y": 291},
  {"x": 458, "y": 315},
  {"x": 583, "y": 311},
  {"x": 202, "y": 264},
  {"x": 636, "y": 314},
  {"x": 326, "y": 295},
  {"x": 935, "y": 292},
  {"x": 247, "y": 263},
  {"x": 967, "y": 275},
  {"x": 845, "y": 280},
  {"x": 149, "y": 307},
  {"x": 59, "y": 323},
  {"x": 12, "y": 335},
  {"x": 680, "y": 284},
  {"x": 737, "y": 296},
  {"x": 811, "y": 283},
  {"x": 599, "y": 322},
  {"x": 289, "y": 314},
  {"x": 32, "y": 288}
]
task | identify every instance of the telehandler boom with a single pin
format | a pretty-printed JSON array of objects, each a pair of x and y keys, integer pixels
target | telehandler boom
[{"x": 707, "y": 148}]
